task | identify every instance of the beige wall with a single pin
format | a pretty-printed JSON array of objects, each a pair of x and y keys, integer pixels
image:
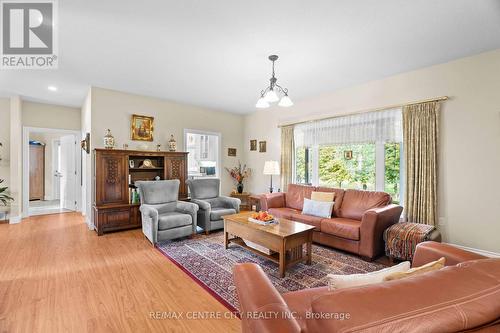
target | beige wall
[
  {"x": 87, "y": 160},
  {"x": 113, "y": 110},
  {"x": 16, "y": 155},
  {"x": 51, "y": 116},
  {"x": 5, "y": 140},
  {"x": 469, "y": 158}
]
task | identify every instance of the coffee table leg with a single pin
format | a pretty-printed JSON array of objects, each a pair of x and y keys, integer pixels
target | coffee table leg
[
  {"x": 282, "y": 260},
  {"x": 226, "y": 240},
  {"x": 309, "y": 250}
]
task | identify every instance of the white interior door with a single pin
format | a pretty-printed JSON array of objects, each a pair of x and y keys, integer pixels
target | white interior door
[
  {"x": 67, "y": 162},
  {"x": 56, "y": 166}
]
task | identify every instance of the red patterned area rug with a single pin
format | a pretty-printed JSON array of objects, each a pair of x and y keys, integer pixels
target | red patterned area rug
[{"x": 205, "y": 260}]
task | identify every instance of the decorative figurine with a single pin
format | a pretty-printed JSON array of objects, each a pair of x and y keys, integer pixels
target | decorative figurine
[
  {"x": 109, "y": 140},
  {"x": 158, "y": 147},
  {"x": 172, "y": 145}
]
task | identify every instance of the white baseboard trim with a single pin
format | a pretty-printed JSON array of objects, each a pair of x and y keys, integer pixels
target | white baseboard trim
[
  {"x": 478, "y": 251},
  {"x": 89, "y": 223},
  {"x": 14, "y": 219}
]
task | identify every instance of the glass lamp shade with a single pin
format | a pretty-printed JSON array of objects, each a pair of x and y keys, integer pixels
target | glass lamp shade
[
  {"x": 271, "y": 168},
  {"x": 285, "y": 101},
  {"x": 262, "y": 103},
  {"x": 271, "y": 96}
]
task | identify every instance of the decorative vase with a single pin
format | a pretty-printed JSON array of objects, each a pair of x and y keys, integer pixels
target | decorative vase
[
  {"x": 172, "y": 144},
  {"x": 109, "y": 140},
  {"x": 239, "y": 188}
]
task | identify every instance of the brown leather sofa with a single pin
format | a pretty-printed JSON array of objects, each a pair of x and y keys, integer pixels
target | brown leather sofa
[
  {"x": 465, "y": 296},
  {"x": 358, "y": 220}
]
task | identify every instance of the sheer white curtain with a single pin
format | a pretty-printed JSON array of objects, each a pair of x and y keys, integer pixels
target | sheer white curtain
[{"x": 377, "y": 126}]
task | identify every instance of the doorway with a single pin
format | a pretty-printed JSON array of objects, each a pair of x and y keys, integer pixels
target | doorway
[{"x": 51, "y": 171}]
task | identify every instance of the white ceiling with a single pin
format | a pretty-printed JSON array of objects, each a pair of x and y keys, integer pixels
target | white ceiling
[{"x": 214, "y": 53}]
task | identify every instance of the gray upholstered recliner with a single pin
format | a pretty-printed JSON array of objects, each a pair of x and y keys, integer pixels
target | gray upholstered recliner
[
  {"x": 205, "y": 193},
  {"x": 163, "y": 216}
]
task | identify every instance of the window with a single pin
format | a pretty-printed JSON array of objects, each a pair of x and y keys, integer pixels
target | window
[
  {"x": 303, "y": 165},
  {"x": 392, "y": 174},
  {"x": 347, "y": 166},
  {"x": 203, "y": 157},
  {"x": 355, "y": 152}
]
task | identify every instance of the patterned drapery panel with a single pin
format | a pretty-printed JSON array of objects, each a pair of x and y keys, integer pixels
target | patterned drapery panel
[
  {"x": 420, "y": 139},
  {"x": 287, "y": 150}
]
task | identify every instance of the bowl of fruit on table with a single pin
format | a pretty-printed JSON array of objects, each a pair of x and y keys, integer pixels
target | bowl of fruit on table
[{"x": 262, "y": 217}]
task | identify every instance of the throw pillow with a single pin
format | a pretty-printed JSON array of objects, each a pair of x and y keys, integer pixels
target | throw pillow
[
  {"x": 317, "y": 208},
  {"x": 429, "y": 267},
  {"x": 354, "y": 280},
  {"x": 323, "y": 196}
]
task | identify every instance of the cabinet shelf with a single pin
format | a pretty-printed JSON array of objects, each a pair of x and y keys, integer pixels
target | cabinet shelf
[{"x": 145, "y": 169}]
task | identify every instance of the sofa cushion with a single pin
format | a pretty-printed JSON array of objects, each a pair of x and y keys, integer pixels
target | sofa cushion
[
  {"x": 355, "y": 203},
  {"x": 323, "y": 196},
  {"x": 217, "y": 213},
  {"x": 204, "y": 188},
  {"x": 340, "y": 281},
  {"x": 284, "y": 212},
  {"x": 429, "y": 267},
  {"x": 308, "y": 219},
  {"x": 172, "y": 220},
  {"x": 420, "y": 303},
  {"x": 339, "y": 196},
  {"x": 317, "y": 208},
  {"x": 296, "y": 194},
  {"x": 158, "y": 191},
  {"x": 340, "y": 227}
]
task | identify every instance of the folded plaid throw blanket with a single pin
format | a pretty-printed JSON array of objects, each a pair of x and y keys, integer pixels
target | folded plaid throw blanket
[{"x": 402, "y": 238}]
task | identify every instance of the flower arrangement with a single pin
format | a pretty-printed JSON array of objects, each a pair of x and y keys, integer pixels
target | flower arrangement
[
  {"x": 4, "y": 197},
  {"x": 239, "y": 173}
]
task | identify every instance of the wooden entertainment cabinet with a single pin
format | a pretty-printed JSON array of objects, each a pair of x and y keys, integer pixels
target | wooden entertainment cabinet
[{"x": 114, "y": 177}]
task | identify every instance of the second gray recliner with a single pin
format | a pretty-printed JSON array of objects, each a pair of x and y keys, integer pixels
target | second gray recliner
[{"x": 205, "y": 193}]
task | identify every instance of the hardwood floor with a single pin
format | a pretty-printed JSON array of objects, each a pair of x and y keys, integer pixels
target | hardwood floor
[{"x": 56, "y": 275}]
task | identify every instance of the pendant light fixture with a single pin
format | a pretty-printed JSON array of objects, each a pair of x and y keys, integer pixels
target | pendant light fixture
[{"x": 273, "y": 92}]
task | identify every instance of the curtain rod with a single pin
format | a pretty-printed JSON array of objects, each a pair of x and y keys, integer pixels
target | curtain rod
[{"x": 435, "y": 99}]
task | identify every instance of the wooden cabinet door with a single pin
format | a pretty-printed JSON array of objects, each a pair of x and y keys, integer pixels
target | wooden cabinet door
[
  {"x": 37, "y": 172},
  {"x": 176, "y": 168},
  {"x": 111, "y": 178}
]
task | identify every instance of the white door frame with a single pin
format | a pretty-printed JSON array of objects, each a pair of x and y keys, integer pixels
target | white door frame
[
  {"x": 55, "y": 159},
  {"x": 26, "y": 171}
]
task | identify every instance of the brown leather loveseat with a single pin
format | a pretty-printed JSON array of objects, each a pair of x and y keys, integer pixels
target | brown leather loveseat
[
  {"x": 463, "y": 297},
  {"x": 358, "y": 220}
]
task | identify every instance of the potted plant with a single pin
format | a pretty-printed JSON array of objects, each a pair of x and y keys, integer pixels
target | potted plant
[
  {"x": 239, "y": 173},
  {"x": 4, "y": 196}
]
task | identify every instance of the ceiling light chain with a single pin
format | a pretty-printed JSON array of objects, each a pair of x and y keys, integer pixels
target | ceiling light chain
[{"x": 270, "y": 94}]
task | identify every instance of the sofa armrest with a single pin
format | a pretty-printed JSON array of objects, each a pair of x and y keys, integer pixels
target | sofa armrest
[
  {"x": 149, "y": 217},
  {"x": 257, "y": 296},
  {"x": 373, "y": 224},
  {"x": 272, "y": 200},
  {"x": 202, "y": 204},
  {"x": 230, "y": 202},
  {"x": 426, "y": 252}
]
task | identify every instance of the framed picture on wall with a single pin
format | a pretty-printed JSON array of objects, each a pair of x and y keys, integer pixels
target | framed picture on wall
[
  {"x": 262, "y": 146},
  {"x": 253, "y": 145},
  {"x": 231, "y": 151},
  {"x": 142, "y": 128}
]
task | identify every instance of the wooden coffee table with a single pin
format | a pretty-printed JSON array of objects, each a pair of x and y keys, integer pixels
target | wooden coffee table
[{"x": 284, "y": 239}]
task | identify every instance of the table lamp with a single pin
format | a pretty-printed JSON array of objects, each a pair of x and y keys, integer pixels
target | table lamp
[{"x": 271, "y": 168}]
